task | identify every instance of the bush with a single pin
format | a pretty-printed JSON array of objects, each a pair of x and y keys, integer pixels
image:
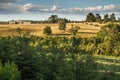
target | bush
[
  {"x": 74, "y": 30},
  {"x": 47, "y": 30}
]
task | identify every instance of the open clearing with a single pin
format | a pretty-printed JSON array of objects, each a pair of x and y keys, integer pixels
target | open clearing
[{"x": 86, "y": 29}]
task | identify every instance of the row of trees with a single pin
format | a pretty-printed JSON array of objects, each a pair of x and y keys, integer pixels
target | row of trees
[
  {"x": 56, "y": 19},
  {"x": 97, "y": 18}
]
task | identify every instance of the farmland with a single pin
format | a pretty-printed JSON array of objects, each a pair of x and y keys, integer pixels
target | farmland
[{"x": 86, "y": 29}]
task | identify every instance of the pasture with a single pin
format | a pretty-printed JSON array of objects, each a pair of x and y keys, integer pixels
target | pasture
[{"x": 86, "y": 29}]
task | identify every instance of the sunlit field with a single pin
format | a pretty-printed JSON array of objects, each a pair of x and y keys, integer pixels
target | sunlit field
[{"x": 86, "y": 29}]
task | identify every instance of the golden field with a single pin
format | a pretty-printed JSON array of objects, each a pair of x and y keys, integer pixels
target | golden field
[{"x": 86, "y": 29}]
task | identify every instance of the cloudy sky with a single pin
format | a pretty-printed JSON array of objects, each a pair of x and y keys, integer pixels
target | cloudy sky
[{"x": 42, "y": 9}]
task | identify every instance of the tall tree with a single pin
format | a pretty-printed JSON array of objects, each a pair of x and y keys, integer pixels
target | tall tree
[
  {"x": 53, "y": 19},
  {"x": 90, "y": 17},
  {"x": 62, "y": 24},
  {"x": 98, "y": 17},
  {"x": 106, "y": 18},
  {"x": 112, "y": 17}
]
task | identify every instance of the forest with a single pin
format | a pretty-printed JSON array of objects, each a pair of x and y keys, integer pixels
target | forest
[{"x": 29, "y": 57}]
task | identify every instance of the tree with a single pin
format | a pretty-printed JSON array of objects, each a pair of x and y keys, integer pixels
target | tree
[
  {"x": 9, "y": 72},
  {"x": 98, "y": 18},
  {"x": 47, "y": 30},
  {"x": 62, "y": 24},
  {"x": 118, "y": 18},
  {"x": 106, "y": 18},
  {"x": 74, "y": 30},
  {"x": 109, "y": 35},
  {"x": 53, "y": 19},
  {"x": 26, "y": 59},
  {"x": 90, "y": 17},
  {"x": 112, "y": 17}
]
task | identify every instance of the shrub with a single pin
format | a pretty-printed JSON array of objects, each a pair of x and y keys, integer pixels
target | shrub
[
  {"x": 74, "y": 30},
  {"x": 47, "y": 30}
]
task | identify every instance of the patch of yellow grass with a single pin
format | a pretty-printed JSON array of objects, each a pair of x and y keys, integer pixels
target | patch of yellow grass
[{"x": 86, "y": 29}]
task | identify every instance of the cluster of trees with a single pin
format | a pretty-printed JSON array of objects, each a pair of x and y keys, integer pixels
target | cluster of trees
[
  {"x": 54, "y": 19},
  {"x": 59, "y": 58},
  {"x": 97, "y": 18},
  {"x": 109, "y": 36}
]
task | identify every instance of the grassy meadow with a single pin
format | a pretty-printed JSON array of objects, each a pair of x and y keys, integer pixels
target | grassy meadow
[{"x": 86, "y": 29}]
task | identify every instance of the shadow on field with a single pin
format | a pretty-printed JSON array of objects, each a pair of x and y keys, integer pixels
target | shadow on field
[
  {"x": 108, "y": 60},
  {"x": 3, "y": 27},
  {"x": 60, "y": 34},
  {"x": 109, "y": 69},
  {"x": 86, "y": 32},
  {"x": 87, "y": 29}
]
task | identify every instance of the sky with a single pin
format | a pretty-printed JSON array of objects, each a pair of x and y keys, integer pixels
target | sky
[{"x": 42, "y": 9}]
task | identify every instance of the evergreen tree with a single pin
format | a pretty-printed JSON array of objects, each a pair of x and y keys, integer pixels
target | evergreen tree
[{"x": 9, "y": 71}]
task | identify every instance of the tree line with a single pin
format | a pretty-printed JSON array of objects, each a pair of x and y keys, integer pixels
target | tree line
[{"x": 97, "y": 18}]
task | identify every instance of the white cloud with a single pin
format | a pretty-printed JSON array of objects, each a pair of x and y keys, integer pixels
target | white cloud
[
  {"x": 31, "y": 8},
  {"x": 26, "y": 7},
  {"x": 108, "y": 8},
  {"x": 55, "y": 8}
]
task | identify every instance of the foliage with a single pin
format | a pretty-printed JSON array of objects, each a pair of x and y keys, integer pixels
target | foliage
[
  {"x": 109, "y": 35},
  {"x": 98, "y": 18},
  {"x": 106, "y": 18},
  {"x": 112, "y": 17},
  {"x": 9, "y": 71},
  {"x": 74, "y": 30},
  {"x": 62, "y": 58},
  {"x": 47, "y": 30},
  {"x": 62, "y": 24},
  {"x": 90, "y": 17},
  {"x": 53, "y": 19}
]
